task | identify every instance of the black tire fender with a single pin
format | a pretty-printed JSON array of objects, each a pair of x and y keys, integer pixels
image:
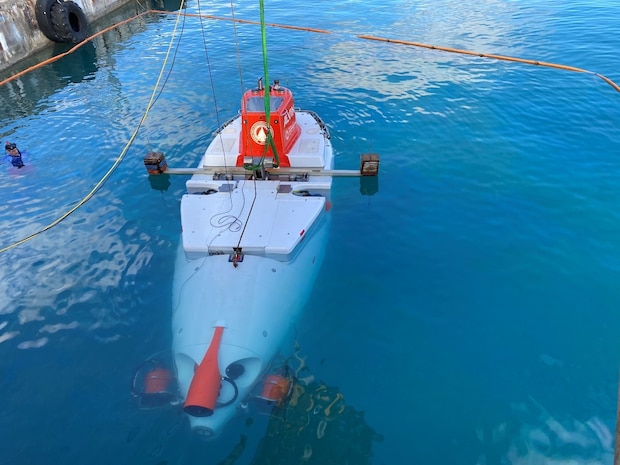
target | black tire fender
[
  {"x": 69, "y": 22},
  {"x": 43, "y": 13},
  {"x": 61, "y": 21}
]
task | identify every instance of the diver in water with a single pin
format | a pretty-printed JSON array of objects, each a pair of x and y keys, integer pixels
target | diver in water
[{"x": 16, "y": 156}]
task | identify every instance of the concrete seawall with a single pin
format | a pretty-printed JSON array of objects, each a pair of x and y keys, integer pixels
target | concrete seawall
[{"x": 21, "y": 38}]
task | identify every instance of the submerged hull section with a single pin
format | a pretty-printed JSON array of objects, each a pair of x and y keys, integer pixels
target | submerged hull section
[
  {"x": 252, "y": 245},
  {"x": 256, "y": 302}
]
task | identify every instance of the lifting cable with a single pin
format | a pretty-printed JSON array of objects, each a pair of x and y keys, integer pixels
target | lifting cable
[
  {"x": 211, "y": 82},
  {"x": 267, "y": 93},
  {"x": 262, "y": 23},
  {"x": 269, "y": 142}
]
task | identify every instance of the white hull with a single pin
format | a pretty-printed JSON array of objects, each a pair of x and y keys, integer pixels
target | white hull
[
  {"x": 250, "y": 254},
  {"x": 257, "y": 303}
]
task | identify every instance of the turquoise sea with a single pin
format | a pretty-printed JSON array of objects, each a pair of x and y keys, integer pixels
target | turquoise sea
[{"x": 468, "y": 311}]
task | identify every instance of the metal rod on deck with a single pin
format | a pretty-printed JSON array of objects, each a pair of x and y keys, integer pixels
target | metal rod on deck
[
  {"x": 155, "y": 163},
  {"x": 240, "y": 171}
]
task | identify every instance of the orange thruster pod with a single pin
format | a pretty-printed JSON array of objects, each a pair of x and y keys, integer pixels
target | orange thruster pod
[
  {"x": 155, "y": 163},
  {"x": 275, "y": 388},
  {"x": 157, "y": 381},
  {"x": 158, "y": 387}
]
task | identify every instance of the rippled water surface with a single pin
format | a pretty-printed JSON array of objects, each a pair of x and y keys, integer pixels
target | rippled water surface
[{"x": 469, "y": 308}]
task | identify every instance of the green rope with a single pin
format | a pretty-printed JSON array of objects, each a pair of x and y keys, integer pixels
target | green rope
[
  {"x": 263, "y": 35},
  {"x": 269, "y": 142}
]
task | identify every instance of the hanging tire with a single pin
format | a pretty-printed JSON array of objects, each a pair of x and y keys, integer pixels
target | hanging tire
[
  {"x": 43, "y": 13},
  {"x": 69, "y": 22},
  {"x": 61, "y": 21}
]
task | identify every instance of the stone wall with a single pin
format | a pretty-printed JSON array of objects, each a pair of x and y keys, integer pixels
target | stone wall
[{"x": 20, "y": 36}]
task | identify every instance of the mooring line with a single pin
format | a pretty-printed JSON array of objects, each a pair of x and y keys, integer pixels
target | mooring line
[
  {"x": 492, "y": 56},
  {"x": 248, "y": 21},
  {"x": 323, "y": 31},
  {"x": 415, "y": 44}
]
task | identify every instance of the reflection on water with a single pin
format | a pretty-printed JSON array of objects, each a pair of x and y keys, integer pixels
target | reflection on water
[
  {"x": 47, "y": 284},
  {"x": 17, "y": 96},
  {"x": 535, "y": 436},
  {"x": 396, "y": 72},
  {"x": 489, "y": 251}
]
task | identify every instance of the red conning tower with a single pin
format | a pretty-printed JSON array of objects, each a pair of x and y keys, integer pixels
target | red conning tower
[{"x": 283, "y": 124}]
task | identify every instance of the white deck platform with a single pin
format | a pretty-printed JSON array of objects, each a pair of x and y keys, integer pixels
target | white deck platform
[{"x": 219, "y": 222}]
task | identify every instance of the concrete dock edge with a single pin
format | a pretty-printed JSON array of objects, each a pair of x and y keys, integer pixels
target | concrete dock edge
[{"x": 20, "y": 36}]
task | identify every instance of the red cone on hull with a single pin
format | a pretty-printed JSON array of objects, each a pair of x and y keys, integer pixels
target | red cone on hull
[{"x": 205, "y": 387}]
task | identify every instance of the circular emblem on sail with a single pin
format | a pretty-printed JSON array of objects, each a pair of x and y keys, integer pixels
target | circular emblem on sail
[{"x": 259, "y": 132}]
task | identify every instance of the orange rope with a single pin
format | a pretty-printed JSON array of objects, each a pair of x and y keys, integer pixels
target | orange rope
[
  {"x": 607, "y": 80},
  {"x": 247, "y": 21},
  {"x": 322, "y": 31},
  {"x": 418, "y": 44},
  {"x": 71, "y": 50},
  {"x": 493, "y": 56}
]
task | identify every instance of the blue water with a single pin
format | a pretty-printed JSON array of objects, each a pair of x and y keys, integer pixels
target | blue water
[{"x": 469, "y": 308}]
